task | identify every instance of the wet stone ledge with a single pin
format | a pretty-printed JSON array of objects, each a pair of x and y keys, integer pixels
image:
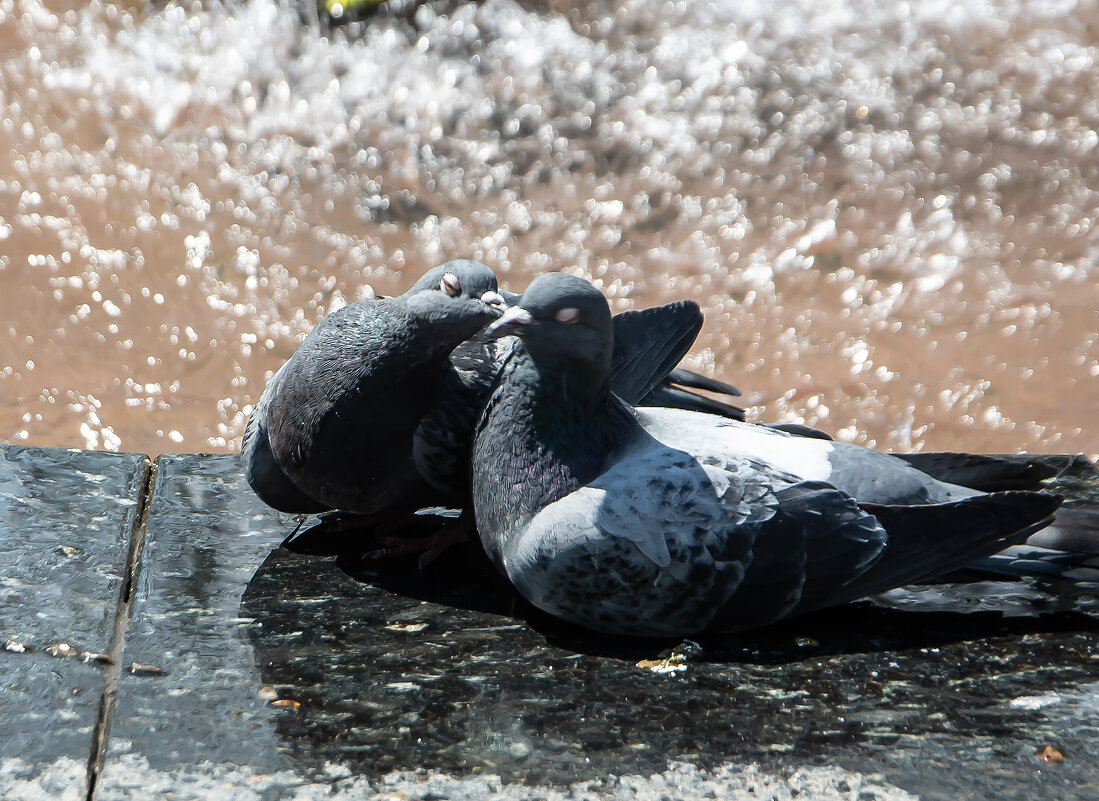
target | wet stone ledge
[
  {"x": 66, "y": 523},
  {"x": 249, "y": 670}
]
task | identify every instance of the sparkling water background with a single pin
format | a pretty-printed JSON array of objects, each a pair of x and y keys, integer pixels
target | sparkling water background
[{"x": 887, "y": 210}]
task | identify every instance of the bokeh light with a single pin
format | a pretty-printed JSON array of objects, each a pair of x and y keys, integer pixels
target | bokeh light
[{"x": 886, "y": 210}]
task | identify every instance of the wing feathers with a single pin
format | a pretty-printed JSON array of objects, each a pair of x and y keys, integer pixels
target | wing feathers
[{"x": 648, "y": 343}]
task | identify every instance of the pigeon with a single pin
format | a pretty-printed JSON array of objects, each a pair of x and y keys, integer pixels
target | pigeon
[
  {"x": 334, "y": 428},
  {"x": 657, "y": 522}
]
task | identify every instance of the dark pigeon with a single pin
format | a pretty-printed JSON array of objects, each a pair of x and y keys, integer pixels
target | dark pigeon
[
  {"x": 334, "y": 428},
  {"x": 665, "y": 522}
]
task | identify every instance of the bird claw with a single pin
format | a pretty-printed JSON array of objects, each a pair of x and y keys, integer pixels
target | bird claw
[
  {"x": 290, "y": 537},
  {"x": 429, "y": 547},
  {"x": 395, "y": 548}
]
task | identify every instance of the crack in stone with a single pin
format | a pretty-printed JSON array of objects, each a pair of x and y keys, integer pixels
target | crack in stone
[{"x": 123, "y": 610}]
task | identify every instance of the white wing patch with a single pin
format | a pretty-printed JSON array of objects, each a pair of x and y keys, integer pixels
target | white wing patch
[{"x": 709, "y": 437}]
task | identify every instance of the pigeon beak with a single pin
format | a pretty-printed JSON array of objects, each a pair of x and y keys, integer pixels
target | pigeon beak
[
  {"x": 494, "y": 300},
  {"x": 513, "y": 321}
]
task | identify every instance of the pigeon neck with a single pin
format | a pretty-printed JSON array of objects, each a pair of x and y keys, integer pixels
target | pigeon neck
[
  {"x": 542, "y": 437},
  {"x": 434, "y": 339},
  {"x": 564, "y": 385}
]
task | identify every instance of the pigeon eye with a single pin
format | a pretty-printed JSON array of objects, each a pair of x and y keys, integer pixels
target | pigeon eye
[
  {"x": 451, "y": 285},
  {"x": 567, "y": 315}
]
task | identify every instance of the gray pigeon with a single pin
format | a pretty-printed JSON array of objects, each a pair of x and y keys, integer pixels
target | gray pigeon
[
  {"x": 334, "y": 428},
  {"x": 665, "y": 522}
]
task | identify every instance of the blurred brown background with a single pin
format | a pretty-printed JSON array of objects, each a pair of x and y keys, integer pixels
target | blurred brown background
[{"x": 887, "y": 210}]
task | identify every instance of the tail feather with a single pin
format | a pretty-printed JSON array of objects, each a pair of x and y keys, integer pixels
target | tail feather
[
  {"x": 1024, "y": 560},
  {"x": 1074, "y": 529},
  {"x": 1068, "y": 549},
  {"x": 931, "y": 540},
  {"x": 692, "y": 380},
  {"x": 676, "y": 398},
  {"x": 986, "y": 472}
]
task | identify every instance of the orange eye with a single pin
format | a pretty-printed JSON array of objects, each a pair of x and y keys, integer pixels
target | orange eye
[
  {"x": 451, "y": 285},
  {"x": 567, "y": 315}
]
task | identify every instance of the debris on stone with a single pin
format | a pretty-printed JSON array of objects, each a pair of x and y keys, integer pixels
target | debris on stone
[
  {"x": 411, "y": 628},
  {"x": 146, "y": 670},
  {"x": 676, "y": 663},
  {"x": 673, "y": 661},
  {"x": 1050, "y": 755},
  {"x": 1035, "y": 701}
]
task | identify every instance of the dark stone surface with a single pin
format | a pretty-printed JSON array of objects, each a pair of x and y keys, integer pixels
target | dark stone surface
[
  {"x": 66, "y": 518},
  {"x": 197, "y": 703},
  {"x": 284, "y": 669},
  {"x": 921, "y": 697}
]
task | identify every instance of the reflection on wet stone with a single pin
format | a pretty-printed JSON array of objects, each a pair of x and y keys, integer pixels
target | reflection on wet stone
[
  {"x": 188, "y": 694},
  {"x": 337, "y": 672},
  {"x": 65, "y": 523},
  {"x": 476, "y": 691}
]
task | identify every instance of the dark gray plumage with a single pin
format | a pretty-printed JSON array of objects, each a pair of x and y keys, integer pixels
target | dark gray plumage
[
  {"x": 263, "y": 473},
  {"x": 667, "y": 522},
  {"x": 334, "y": 428}
]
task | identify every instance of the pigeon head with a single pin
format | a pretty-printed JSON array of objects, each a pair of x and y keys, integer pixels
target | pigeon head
[
  {"x": 459, "y": 294},
  {"x": 565, "y": 324}
]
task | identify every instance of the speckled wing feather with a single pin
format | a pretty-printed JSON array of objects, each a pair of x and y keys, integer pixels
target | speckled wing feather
[
  {"x": 661, "y": 545},
  {"x": 442, "y": 442},
  {"x": 933, "y": 539},
  {"x": 871, "y": 476}
]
